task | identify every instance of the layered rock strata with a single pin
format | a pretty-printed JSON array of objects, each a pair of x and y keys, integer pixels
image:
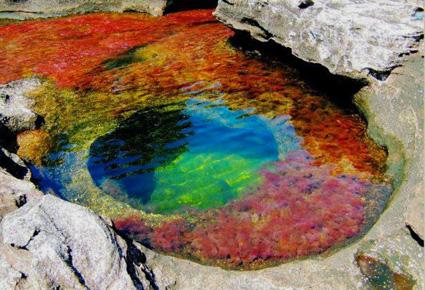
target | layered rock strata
[{"x": 351, "y": 38}]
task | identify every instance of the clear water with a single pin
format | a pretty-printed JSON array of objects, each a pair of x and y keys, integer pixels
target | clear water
[{"x": 192, "y": 154}]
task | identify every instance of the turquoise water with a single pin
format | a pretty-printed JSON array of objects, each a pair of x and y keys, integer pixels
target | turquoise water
[{"x": 192, "y": 154}]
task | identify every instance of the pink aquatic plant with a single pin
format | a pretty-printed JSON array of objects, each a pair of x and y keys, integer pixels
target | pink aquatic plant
[
  {"x": 300, "y": 209},
  {"x": 134, "y": 227},
  {"x": 171, "y": 236}
]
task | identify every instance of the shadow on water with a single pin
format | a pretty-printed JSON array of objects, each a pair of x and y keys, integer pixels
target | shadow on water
[
  {"x": 339, "y": 89},
  {"x": 183, "y": 5}
]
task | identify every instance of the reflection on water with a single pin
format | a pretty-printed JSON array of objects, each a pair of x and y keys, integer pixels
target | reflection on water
[{"x": 191, "y": 146}]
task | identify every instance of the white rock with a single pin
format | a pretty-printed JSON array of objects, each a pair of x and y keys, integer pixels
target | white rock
[
  {"x": 15, "y": 107},
  {"x": 57, "y": 243},
  {"x": 349, "y": 37}
]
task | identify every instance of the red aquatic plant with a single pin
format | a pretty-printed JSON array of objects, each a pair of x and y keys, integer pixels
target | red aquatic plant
[
  {"x": 133, "y": 227},
  {"x": 300, "y": 210},
  {"x": 170, "y": 236},
  {"x": 69, "y": 48},
  {"x": 304, "y": 205},
  {"x": 183, "y": 49}
]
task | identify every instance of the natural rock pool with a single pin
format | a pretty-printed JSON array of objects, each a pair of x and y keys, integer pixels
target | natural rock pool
[{"x": 191, "y": 146}]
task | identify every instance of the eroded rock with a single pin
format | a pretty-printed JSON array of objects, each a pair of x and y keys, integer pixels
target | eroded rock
[
  {"x": 395, "y": 113},
  {"x": 10, "y": 278},
  {"x": 352, "y": 38},
  {"x": 55, "y": 243}
]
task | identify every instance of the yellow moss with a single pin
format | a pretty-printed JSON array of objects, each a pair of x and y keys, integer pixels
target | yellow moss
[{"x": 33, "y": 145}]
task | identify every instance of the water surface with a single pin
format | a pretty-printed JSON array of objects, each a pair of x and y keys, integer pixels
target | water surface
[{"x": 192, "y": 154}]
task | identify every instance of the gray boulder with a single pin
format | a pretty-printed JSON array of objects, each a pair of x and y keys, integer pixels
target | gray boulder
[
  {"x": 351, "y": 38},
  {"x": 52, "y": 243},
  {"x": 15, "y": 107},
  {"x": 52, "y": 8},
  {"x": 14, "y": 192}
]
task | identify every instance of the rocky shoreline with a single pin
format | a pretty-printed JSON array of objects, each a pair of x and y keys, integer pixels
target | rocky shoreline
[{"x": 48, "y": 243}]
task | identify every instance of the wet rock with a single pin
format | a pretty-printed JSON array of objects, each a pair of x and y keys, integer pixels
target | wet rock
[
  {"x": 49, "y": 8},
  {"x": 57, "y": 244},
  {"x": 386, "y": 263},
  {"x": 352, "y": 38},
  {"x": 379, "y": 274},
  {"x": 15, "y": 112}
]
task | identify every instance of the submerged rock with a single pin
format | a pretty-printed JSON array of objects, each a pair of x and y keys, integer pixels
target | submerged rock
[
  {"x": 352, "y": 38},
  {"x": 384, "y": 264},
  {"x": 15, "y": 112}
]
